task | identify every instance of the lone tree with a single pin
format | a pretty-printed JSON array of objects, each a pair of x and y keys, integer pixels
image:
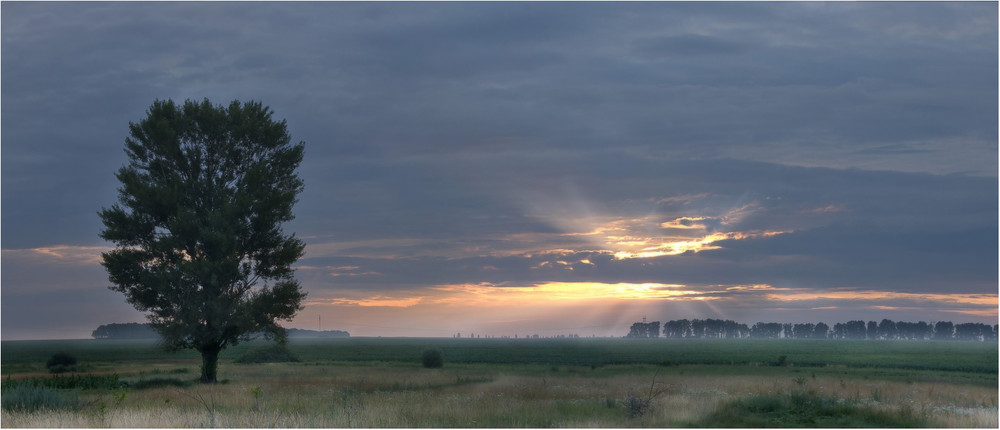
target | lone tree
[{"x": 198, "y": 225}]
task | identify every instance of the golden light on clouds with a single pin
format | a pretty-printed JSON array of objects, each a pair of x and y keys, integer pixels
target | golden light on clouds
[
  {"x": 583, "y": 291},
  {"x": 686, "y": 223},
  {"x": 652, "y": 236},
  {"x": 677, "y": 247},
  {"x": 560, "y": 294},
  {"x": 377, "y": 300},
  {"x": 494, "y": 295}
]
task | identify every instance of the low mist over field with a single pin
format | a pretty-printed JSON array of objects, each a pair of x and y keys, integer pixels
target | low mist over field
[{"x": 513, "y": 169}]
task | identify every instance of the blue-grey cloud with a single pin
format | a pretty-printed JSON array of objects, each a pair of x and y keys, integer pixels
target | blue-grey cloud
[{"x": 509, "y": 142}]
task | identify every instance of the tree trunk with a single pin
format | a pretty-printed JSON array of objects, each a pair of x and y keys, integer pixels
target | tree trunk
[{"x": 209, "y": 364}]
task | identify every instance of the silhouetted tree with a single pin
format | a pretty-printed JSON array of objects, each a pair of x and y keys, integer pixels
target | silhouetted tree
[
  {"x": 854, "y": 329},
  {"x": 697, "y": 328},
  {"x": 198, "y": 225},
  {"x": 642, "y": 330},
  {"x": 766, "y": 330},
  {"x": 887, "y": 329},
  {"x": 913, "y": 331},
  {"x": 677, "y": 329},
  {"x": 803, "y": 331},
  {"x": 653, "y": 329},
  {"x": 944, "y": 330},
  {"x": 872, "y": 331},
  {"x": 972, "y": 331},
  {"x": 821, "y": 331}
]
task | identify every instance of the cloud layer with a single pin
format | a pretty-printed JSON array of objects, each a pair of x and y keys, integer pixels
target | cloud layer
[{"x": 842, "y": 153}]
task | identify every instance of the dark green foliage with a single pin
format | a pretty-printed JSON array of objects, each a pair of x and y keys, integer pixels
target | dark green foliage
[
  {"x": 432, "y": 359},
  {"x": 804, "y": 410},
  {"x": 269, "y": 354},
  {"x": 77, "y": 382},
  {"x": 644, "y": 330},
  {"x": 198, "y": 225},
  {"x": 60, "y": 362}
]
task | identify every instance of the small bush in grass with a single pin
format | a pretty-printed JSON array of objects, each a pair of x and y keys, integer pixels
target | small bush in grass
[
  {"x": 432, "y": 359},
  {"x": 636, "y": 406},
  {"x": 60, "y": 362},
  {"x": 782, "y": 361}
]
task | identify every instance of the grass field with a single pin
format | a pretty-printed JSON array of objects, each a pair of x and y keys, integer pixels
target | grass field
[{"x": 376, "y": 382}]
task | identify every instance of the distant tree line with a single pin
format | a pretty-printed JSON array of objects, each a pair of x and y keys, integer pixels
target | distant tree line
[
  {"x": 125, "y": 331},
  {"x": 146, "y": 331},
  {"x": 884, "y": 330}
]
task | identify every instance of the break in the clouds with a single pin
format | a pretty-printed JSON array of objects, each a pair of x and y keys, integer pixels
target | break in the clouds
[{"x": 538, "y": 167}]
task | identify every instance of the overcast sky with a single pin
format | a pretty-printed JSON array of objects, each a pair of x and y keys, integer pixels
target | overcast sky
[{"x": 549, "y": 168}]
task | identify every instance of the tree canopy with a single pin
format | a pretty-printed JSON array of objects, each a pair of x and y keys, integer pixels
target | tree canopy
[{"x": 197, "y": 226}]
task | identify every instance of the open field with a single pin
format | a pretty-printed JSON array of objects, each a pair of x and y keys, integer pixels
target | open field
[{"x": 374, "y": 382}]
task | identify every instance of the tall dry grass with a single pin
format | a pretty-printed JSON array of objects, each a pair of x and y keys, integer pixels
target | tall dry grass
[{"x": 283, "y": 395}]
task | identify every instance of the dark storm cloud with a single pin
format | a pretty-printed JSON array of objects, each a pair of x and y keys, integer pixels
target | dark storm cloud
[{"x": 488, "y": 142}]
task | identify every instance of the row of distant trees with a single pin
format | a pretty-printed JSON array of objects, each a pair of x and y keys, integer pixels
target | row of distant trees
[
  {"x": 125, "y": 331},
  {"x": 884, "y": 330},
  {"x": 146, "y": 331}
]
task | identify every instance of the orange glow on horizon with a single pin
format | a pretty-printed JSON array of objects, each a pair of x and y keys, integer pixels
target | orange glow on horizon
[{"x": 600, "y": 295}]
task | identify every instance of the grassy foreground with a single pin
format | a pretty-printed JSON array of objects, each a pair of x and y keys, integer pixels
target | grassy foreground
[{"x": 514, "y": 383}]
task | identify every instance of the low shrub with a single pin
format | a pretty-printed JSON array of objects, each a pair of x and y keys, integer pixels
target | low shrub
[
  {"x": 432, "y": 359},
  {"x": 61, "y": 362},
  {"x": 782, "y": 361},
  {"x": 269, "y": 354},
  {"x": 636, "y": 406}
]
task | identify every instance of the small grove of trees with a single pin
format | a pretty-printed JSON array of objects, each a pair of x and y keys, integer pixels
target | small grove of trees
[
  {"x": 856, "y": 329},
  {"x": 125, "y": 331},
  {"x": 707, "y": 328},
  {"x": 644, "y": 330},
  {"x": 975, "y": 331}
]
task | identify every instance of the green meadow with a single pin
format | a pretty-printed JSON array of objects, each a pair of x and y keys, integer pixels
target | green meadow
[{"x": 380, "y": 382}]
